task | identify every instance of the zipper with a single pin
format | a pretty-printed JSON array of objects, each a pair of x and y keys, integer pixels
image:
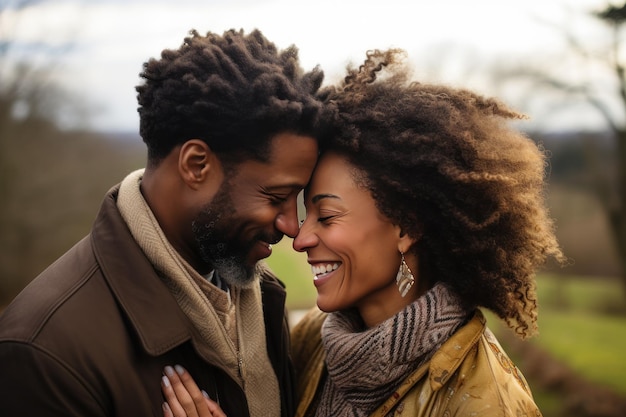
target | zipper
[
  {"x": 239, "y": 339},
  {"x": 240, "y": 365}
]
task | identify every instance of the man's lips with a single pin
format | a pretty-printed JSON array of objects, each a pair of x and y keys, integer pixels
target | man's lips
[
  {"x": 260, "y": 250},
  {"x": 262, "y": 247}
]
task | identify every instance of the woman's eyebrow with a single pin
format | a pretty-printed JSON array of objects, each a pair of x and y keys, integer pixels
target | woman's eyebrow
[{"x": 319, "y": 197}]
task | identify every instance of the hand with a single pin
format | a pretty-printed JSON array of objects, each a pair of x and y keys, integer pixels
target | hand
[{"x": 184, "y": 398}]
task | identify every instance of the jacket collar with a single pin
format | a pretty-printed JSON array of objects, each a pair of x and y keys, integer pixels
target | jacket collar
[
  {"x": 444, "y": 362},
  {"x": 151, "y": 309},
  {"x": 452, "y": 353}
]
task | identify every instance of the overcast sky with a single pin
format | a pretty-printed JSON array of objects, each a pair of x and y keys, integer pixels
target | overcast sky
[{"x": 446, "y": 39}]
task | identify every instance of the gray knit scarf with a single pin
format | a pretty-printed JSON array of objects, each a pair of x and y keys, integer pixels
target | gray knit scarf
[{"x": 365, "y": 366}]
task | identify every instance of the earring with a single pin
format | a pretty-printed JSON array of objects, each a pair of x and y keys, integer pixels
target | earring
[{"x": 404, "y": 278}]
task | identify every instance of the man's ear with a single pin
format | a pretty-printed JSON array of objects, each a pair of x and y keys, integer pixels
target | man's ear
[{"x": 195, "y": 161}]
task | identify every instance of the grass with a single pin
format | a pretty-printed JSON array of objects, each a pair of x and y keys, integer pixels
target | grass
[
  {"x": 575, "y": 328},
  {"x": 589, "y": 294},
  {"x": 591, "y": 345}
]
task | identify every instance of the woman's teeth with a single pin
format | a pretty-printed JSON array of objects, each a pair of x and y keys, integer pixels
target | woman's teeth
[{"x": 321, "y": 270}]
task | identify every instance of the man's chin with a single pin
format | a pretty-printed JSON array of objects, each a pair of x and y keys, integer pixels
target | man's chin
[
  {"x": 238, "y": 269},
  {"x": 236, "y": 272}
]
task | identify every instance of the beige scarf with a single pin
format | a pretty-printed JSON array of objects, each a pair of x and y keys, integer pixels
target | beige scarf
[{"x": 245, "y": 359}]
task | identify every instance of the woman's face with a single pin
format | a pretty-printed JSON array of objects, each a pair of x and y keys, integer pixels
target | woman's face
[{"x": 354, "y": 250}]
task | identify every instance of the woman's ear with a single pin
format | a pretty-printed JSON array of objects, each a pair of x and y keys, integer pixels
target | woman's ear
[
  {"x": 405, "y": 242},
  {"x": 195, "y": 161}
]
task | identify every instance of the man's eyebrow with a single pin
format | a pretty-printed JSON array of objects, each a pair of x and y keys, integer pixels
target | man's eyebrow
[
  {"x": 284, "y": 187},
  {"x": 319, "y": 197}
]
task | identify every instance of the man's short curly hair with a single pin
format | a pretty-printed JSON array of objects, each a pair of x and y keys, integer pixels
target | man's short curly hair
[
  {"x": 443, "y": 164},
  {"x": 233, "y": 91}
]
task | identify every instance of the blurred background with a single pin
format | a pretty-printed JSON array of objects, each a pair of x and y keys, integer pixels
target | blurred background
[{"x": 69, "y": 131}]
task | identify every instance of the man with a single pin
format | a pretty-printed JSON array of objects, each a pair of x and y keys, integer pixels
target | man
[{"x": 170, "y": 273}]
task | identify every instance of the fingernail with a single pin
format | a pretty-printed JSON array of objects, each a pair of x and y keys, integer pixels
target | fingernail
[
  {"x": 166, "y": 381},
  {"x": 179, "y": 369},
  {"x": 169, "y": 371},
  {"x": 166, "y": 407},
  {"x": 205, "y": 394}
]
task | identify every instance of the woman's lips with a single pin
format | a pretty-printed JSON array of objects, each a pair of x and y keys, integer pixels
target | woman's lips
[{"x": 323, "y": 271}]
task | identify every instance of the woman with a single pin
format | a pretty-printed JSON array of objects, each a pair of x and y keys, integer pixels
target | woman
[{"x": 424, "y": 207}]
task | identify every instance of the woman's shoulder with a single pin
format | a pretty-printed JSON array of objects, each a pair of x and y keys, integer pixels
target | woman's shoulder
[
  {"x": 307, "y": 332},
  {"x": 469, "y": 374},
  {"x": 306, "y": 340},
  {"x": 488, "y": 376},
  {"x": 308, "y": 356}
]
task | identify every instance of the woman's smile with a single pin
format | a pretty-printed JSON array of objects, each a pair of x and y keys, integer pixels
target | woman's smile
[{"x": 322, "y": 271}]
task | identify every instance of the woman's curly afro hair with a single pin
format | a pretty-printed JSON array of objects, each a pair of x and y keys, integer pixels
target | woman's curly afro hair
[
  {"x": 443, "y": 165},
  {"x": 234, "y": 91}
]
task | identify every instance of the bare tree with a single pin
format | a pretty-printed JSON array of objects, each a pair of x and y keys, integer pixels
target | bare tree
[
  {"x": 606, "y": 94},
  {"x": 43, "y": 209},
  {"x": 615, "y": 17},
  {"x": 27, "y": 69},
  {"x": 23, "y": 92}
]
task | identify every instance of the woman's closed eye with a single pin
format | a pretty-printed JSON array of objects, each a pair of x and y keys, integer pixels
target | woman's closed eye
[{"x": 328, "y": 216}]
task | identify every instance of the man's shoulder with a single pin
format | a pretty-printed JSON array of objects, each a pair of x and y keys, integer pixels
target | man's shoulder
[
  {"x": 269, "y": 281},
  {"x": 45, "y": 295}
]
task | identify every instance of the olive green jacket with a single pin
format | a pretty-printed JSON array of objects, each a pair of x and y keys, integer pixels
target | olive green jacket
[{"x": 470, "y": 375}]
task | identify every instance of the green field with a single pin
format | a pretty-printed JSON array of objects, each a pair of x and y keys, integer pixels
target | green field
[
  {"x": 576, "y": 327},
  {"x": 592, "y": 346}
]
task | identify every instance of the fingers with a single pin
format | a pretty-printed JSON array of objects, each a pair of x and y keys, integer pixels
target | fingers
[
  {"x": 170, "y": 398},
  {"x": 183, "y": 395},
  {"x": 167, "y": 411},
  {"x": 213, "y": 406},
  {"x": 173, "y": 407}
]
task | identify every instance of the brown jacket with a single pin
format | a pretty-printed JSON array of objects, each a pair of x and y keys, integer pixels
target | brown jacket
[
  {"x": 91, "y": 335},
  {"x": 470, "y": 375}
]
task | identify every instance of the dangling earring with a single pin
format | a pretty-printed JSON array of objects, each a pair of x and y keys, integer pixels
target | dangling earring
[{"x": 404, "y": 278}]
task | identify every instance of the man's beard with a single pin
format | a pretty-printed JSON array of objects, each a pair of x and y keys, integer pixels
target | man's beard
[{"x": 224, "y": 253}]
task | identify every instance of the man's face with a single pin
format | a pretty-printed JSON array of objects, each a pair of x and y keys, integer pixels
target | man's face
[{"x": 254, "y": 208}]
